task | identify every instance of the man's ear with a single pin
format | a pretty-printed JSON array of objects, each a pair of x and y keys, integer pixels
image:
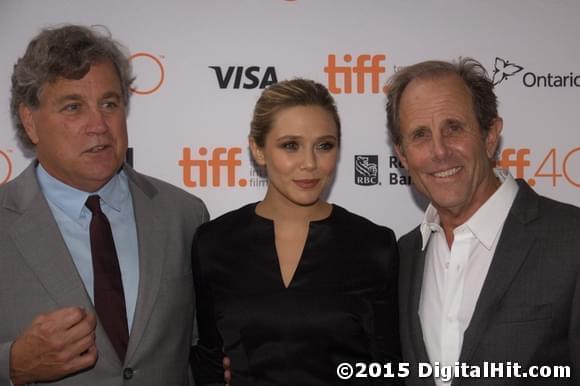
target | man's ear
[
  {"x": 257, "y": 152},
  {"x": 27, "y": 120},
  {"x": 493, "y": 136},
  {"x": 401, "y": 155}
]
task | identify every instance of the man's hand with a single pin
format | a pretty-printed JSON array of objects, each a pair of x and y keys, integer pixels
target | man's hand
[
  {"x": 56, "y": 344},
  {"x": 227, "y": 372}
]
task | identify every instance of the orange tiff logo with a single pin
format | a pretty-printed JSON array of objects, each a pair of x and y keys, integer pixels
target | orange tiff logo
[
  {"x": 515, "y": 158},
  {"x": 145, "y": 56},
  {"x": 196, "y": 171},
  {"x": 340, "y": 77},
  {"x": 5, "y": 166},
  {"x": 554, "y": 166}
]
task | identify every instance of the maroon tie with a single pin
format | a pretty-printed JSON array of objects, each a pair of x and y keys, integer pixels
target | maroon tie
[{"x": 109, "y": 296}]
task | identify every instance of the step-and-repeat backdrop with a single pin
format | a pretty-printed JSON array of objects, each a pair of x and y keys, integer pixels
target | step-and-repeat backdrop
[{"x": 201, "y": 65}]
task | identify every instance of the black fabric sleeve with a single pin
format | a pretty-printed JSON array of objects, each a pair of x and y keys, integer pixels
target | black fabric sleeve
[
  {"x": 386, "y": 310},
  {"x": 207, "y": 355}
]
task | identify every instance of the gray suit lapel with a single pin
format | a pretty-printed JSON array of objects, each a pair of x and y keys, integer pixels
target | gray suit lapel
[
  {"x": 37, "y": 236},
  {"x": 151, "y": 237},
  {"x": 416, "y": 285},
  {"x": 415, "y": 296},
  {"x": 513, "y": 247}
]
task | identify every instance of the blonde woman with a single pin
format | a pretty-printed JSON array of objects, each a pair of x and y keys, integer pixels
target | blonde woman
[{"x": 292, "y": 286}]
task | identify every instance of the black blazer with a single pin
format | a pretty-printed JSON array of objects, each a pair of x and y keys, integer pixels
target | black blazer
[{"x": 529, "y": 307}]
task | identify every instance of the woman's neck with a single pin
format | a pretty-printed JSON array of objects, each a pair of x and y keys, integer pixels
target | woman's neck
[{"x": 282, "y": 209}]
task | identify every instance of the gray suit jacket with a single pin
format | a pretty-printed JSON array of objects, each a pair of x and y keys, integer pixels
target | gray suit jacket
[
  {"x": 529, "y": 307},
  {"x": 37, "y": 275}
]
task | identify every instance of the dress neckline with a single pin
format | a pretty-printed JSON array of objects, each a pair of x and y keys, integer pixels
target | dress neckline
[
  {"x": 331, "y": 215},
  {"x": 313, "y": 226}
]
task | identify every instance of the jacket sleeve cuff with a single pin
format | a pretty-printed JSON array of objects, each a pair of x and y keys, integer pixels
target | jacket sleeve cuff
[{"x": 5, "y": 363}]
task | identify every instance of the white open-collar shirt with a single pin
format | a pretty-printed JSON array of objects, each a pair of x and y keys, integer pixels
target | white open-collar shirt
[{"x": 453, "y": 278}]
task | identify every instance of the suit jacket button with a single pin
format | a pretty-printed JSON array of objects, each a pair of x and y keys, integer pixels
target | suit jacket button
[{"x": 128, "y": 373}]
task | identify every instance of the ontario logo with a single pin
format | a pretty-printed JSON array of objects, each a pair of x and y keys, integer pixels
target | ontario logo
[
  {"x": 504, "y": 69},
  {"x": 366, "y": 170}
]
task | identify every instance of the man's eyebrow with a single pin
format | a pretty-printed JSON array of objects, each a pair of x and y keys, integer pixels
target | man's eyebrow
[
  {"x": 69, "y": 97},
  {"x": 419, "y": 128},
  {"x": 111, "y": 94},
  {"x": 448, "y": 121}
]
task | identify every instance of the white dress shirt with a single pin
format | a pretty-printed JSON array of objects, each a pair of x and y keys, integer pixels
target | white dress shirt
[{"x": 452, "y": 279}]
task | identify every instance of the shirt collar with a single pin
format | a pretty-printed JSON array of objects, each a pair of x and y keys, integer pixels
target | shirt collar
[
  {"x": 487, "y": 221},
  {"x": 72, "y": 201}
]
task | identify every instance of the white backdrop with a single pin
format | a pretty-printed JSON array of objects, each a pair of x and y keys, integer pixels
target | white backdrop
[{"x": 180, "y": 106}]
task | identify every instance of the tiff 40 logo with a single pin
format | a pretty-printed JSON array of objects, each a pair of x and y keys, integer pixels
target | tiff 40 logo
[
  {"x": 5, "y": 166},
  {"x": 554, "y": 165}
]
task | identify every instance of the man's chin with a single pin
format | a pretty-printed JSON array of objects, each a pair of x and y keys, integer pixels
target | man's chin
[{"x": 446, "y": 202}]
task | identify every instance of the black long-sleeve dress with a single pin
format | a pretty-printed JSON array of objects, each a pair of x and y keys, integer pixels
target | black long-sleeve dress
[{"x": 341, "y": 305}]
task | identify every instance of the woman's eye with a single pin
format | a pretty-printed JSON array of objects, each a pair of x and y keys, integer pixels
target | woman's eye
[
  {"x": 290, "y": 146},
  {"x": 325, "y": 146}
]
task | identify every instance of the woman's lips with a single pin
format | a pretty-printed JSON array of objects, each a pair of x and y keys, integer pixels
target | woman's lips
[{"x": 307, "y": 184}]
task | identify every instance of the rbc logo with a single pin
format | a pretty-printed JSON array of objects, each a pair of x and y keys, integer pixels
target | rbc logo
[
  {"x": 359, "y": 71},
  {"x": 250, "y": 75},
  {"x": 221, "y": 158},
  {"x": 366, "y": 170}
]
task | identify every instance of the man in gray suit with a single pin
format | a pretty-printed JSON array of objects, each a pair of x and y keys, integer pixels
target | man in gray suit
[
  {"x": 70, "y": 96},
  {"x": 492, "y": 274}
]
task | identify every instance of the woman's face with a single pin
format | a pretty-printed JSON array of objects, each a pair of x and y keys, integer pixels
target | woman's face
[{"x": 300, "y": 154}]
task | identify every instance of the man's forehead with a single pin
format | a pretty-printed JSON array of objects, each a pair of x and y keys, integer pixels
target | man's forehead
[
  {"x": 443, "y": 82},
  {"x": 429, "y": 95},
  {"x": 61, "y": 87}
]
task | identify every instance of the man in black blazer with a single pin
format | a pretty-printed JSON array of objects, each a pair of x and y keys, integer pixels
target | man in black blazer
[{"x": 490, "y": 281}]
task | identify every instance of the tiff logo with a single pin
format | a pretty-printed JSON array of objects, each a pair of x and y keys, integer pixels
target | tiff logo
[
  {"x": 520, "y": 162},
  {"x": 366, "y": 170},
  {"x": 248, "y": 78},
  {"x": 5, "y": 166},
  {"x": 197, "y": 170},
  {"x": 340, "y": 78}
]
